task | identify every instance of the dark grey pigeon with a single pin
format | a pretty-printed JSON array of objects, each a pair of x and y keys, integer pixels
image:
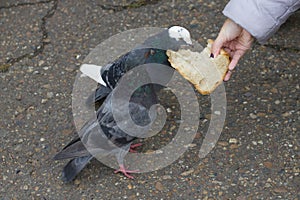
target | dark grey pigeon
[
  {"x": 110, "y": 139},
  {"x": 104, "y": 137},
  {"x": 153, "y": 50}
]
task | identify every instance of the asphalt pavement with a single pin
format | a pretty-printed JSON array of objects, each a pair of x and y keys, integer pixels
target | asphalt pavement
[{"x": 43, "y": 44}]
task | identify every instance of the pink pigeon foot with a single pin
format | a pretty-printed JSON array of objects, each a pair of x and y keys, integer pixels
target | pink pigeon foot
[
  {"x": 125, "y": 171},
  {"x": 133, "y": 146}
]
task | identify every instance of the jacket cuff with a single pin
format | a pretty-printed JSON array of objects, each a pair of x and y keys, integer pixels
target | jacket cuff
[{"x": 260, "y": 18}]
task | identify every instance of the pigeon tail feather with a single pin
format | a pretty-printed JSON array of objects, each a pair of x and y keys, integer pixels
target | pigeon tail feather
[{"x": 74, "y": 167}]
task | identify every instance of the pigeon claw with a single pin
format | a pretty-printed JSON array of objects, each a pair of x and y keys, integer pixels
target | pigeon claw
[
  {"x": 125, "y": 172},
  {"x": 133, "y": 146}
]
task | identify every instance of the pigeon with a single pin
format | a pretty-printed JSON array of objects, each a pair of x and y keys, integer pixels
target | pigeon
[
  {"x": 153, "y": 50},
  {"x": 103, "y": 136}
]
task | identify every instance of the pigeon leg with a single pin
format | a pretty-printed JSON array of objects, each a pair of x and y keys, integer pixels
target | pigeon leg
[
  {"x": 125, "y": 171},
  {"x": 133, "y": 146}
]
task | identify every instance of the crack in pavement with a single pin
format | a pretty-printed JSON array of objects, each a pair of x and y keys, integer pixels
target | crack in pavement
[
  {"x": 43, "y": 41},
  {"x": 4, "y": 67},
  {"x": 25, "y": 4},
  {"x": 134, "y": 4}
]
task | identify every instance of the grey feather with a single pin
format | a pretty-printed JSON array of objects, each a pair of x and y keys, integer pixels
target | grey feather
[{"x": 103, "y": 137}]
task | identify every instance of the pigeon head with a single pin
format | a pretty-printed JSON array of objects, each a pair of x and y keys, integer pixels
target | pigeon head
[{"x": 180, "y": 33}]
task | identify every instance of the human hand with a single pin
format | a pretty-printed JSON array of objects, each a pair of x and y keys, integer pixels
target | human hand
[{"x": 235, "y": 40}]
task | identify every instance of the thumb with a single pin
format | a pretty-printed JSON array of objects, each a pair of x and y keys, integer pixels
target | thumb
[{"x": 216, "y": 46}]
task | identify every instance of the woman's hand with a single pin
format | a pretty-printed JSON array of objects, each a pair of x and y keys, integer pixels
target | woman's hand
[{"x": 235, "y": 40}]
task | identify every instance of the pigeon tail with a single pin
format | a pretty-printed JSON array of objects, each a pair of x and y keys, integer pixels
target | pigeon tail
[
  {"x": 74, "y": 167},
  {"x": 74, "y": 149}
]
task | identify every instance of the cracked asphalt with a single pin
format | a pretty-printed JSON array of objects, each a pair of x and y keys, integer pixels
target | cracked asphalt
[{"x": 43, "y": 43}]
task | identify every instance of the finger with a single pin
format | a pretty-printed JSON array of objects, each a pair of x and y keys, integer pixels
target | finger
[
  {"x": 227, "y": 76},
  {"x": 216, "y": 46},
  {"x": 233, "y": 63},
  {"x": 235, "y": 59},
  {"x": 229, "y": 51}
]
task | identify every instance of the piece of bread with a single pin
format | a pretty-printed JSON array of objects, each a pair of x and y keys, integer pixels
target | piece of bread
[{"x": 203, "y": 72}]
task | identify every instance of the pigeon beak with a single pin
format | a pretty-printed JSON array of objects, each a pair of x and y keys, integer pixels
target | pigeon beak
[
  {"x": 187, "y": 46},
  {"x": 189, "y": 42}
]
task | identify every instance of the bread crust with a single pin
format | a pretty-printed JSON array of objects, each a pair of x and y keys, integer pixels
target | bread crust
[{"x": 205, "y": 73}]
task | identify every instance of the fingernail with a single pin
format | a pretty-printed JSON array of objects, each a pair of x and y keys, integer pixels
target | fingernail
[
  {"x": 211, "y": 55},
  {"x": 227, "y": 77}
]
